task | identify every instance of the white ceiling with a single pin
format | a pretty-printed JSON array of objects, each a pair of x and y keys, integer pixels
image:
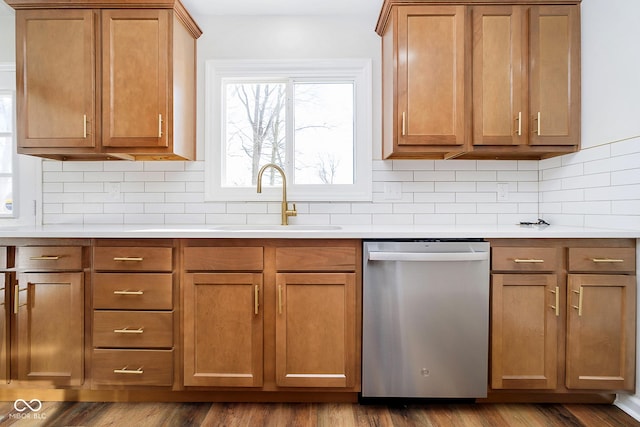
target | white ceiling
[{"x": 283, "y": 7}]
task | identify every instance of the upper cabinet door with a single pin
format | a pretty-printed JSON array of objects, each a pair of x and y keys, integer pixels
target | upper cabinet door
[
  {"x": 431, "y": 85},
  {"x": 555, "y": 75},
  {"x": 499, "y": 77},
  {"x": 55, "y": 78},
  {"x": 135, "y": 62}
]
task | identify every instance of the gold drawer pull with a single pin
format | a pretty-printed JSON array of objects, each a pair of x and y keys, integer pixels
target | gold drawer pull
[
  {"x": 556, "y": 307},
  {"x": 124, "y": 370},
  {"x": 279, "y": 299},
  {"x": 256, "y": 303},
  {"x": 134, "y": 259},
  {"x": 125, "y": 292},
  {"x": 45, "y": 258},
  {"x": 579, "y": 306},
  {"x": 128, "y": 331},
  {"x": 528, "y": 261},
  {"x": 606, "y": 260}
]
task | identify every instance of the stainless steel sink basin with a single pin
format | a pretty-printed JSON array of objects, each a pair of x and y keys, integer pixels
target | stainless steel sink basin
[{"x": 257, "y": 227}]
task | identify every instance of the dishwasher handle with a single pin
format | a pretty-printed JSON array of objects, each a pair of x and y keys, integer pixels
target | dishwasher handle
[{"x": 428, "y": 256}]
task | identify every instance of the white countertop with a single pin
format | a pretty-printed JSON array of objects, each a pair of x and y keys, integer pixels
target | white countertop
[{"x": 312, "y": 232}]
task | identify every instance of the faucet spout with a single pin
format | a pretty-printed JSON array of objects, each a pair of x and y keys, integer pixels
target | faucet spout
[{"x": 286, "y": 212}]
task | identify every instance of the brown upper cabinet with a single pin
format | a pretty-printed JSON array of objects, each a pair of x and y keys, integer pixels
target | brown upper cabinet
[
  {"x": 101, "y": 82},
  {"x": 480, "y": 80}
]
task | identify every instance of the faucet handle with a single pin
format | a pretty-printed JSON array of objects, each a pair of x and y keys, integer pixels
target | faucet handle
[{"x": 292, "y": 212}]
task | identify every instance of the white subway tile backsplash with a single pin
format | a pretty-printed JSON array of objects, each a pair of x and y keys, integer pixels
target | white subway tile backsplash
[
  {"x": 413, "y": 165},
  {"x": 62, "y": 177},
  {"x": 123, "y": 166},
  {"x": 625, "y": 177},
  {"x": 499, "y": 165},
  {"x": 589, "y": 187},
  {"x": 83, "y": 187},
  {"x": 476, "y": 176},
  {"x": 434, "y": 176},
  {"x": 144, "y": 197},
  {"x": 414, "y": 208},
  {"x": 163, "y": 166},
  {"x": 185, "y": 218},
  {"x": 454, "y": 187},
  {"x": 456, "y": 165},
  {"x": 628, "y": 146},
  {"x": 165, "y": 208},
  {"x": 144, "y": 176},
  {"x": 82, "y": 166},
  {"x": 103, "y": 176}
]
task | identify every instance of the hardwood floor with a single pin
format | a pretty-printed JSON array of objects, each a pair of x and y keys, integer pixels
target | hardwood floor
[{"x": 311, "y": 414}]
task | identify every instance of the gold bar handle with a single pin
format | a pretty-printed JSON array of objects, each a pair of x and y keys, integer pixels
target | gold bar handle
[
  {"x": 606, "y": 260},
  {"x": 159, "y": 125},
  {"x": 16, "y": 298},
  {"x": 84, "y": 127},
  {"x": 125, "y": 292},
  {"x": 579, "y": 307},
  {"x": 256, "y": 303},
  {"x": 528, "y": 261},
  {"x": 124, "y": 370},
  {"x": 404, "y": 129},
  {"x": 279, "y": 299},
  {"x": 537, "y": 129},
  {"x": 125, "y": 259},
  {"x": 128, "y": 331},
  {"x": 519, "y": 119},
  {"x": 557, "y": 306},
  {"x": 45, "y": 258}
]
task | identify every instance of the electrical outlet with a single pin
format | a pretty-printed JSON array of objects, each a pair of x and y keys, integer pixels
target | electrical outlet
[
  {"x": 113, "y": 191},
  {"x": 502, "y": 188},
  {"x": 392, "y": 191}
]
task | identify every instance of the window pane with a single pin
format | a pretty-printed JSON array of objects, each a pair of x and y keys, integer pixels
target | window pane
[
  {"x": 254, "y": 124},
  {"x": 6, "y": 195},
  {"x": 324, "y": 135},
  {"x": 6, "y": 112},
  {"x": 6, "y": 154}
]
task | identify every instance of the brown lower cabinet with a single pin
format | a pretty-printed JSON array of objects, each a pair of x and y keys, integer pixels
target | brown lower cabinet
[
  {"x": 272, "y": 314},
  {"x": 563, "y": 315},
  {"x": 42, "y": 323}
]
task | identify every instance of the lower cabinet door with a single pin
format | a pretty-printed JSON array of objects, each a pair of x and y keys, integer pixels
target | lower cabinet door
[
  {"x": 601, "y": 331},
  {"x": 524, "y": 331},
  {"x": 50, "y": 327},
  {"x": 315, "y": 330},
  {"x": 132, "y": 367},
  {"x": 223, "y": 329}
]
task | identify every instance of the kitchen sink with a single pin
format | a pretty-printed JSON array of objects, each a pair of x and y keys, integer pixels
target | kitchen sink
[{"x": 257, "y": 228}]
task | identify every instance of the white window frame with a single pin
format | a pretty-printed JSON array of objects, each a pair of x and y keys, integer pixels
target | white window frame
[
  {"x": 27, "y": 170},
  {"x": 15, "y": 196},
  {"x": 356, "y": 70}
]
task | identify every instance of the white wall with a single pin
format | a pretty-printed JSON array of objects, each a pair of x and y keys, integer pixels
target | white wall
[{"x": 600, "y": 185}]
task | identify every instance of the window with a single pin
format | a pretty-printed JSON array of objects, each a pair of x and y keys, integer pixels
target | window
[
  {"x": 7, "y": 123},
  {"x": 312, "y": 118}
]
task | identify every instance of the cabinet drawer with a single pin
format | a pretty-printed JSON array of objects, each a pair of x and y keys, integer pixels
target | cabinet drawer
[
  {"x": 133, "y": 329},
  {"x": 316, "y": 259},
  {"x": 134, "y": 258},
  {"x": 602, "y": 259},
  {"x": 49, "y": 257},
  {"x": 525, "y": 259},
  {"x": 132, "y": 367},
  {"x": 141, "y": 291},
  {"x": 223, "y": 258}
]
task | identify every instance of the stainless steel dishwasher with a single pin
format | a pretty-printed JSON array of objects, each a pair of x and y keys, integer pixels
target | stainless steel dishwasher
[{"x": 425, "y": 319}]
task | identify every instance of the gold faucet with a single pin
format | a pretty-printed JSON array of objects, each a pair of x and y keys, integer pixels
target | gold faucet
[{"x": 286, "y": 213}]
